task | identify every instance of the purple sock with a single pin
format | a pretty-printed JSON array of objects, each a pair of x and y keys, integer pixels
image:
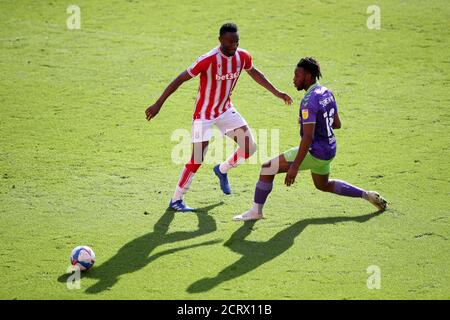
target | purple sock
[
  {"x": 262, "y": 191},
  {"x": 345, "y": 189}
]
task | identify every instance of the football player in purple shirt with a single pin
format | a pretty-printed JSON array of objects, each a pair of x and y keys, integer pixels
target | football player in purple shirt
[{"x": 318, "y": 118}]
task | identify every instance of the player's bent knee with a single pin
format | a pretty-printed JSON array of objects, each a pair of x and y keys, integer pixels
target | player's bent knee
[
  {"x": 321, "y": 187},
  {"x": 266, "y": 164},
  {"x": 325, "y": 187},
  {"x": 268, "y": 169}
]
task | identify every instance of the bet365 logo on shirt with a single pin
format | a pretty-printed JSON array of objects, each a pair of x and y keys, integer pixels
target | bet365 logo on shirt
[{"x": 228, "y": 76}]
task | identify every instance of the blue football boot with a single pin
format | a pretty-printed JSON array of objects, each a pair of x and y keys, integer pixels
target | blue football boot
[
  {"x": 223, "y": 178},
  {"x": 180, "y": 206}
]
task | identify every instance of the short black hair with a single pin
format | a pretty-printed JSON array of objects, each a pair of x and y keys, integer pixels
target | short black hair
[
  {"x": 311, "y": 65},
  {"x": 228, "y": 27}
]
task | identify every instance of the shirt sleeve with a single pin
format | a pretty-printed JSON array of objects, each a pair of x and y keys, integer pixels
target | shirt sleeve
[
  {"x": 334, "y": 102},
  {"x": 199, "y": 66},
  {"x": 248, "y": 64},
  {"x": 309, "y": 111}
]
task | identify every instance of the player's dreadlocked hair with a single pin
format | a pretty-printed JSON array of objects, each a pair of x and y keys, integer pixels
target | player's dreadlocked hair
[
  {"x": 312, "y": 65},
  {"x": 228, "y": 27}
]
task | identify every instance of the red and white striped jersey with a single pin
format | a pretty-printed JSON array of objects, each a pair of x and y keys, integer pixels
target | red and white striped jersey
[{"x": 218, "y": 77}]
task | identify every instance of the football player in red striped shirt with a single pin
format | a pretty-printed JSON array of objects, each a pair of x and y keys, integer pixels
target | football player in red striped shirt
[{"x": 219, "y": 71}]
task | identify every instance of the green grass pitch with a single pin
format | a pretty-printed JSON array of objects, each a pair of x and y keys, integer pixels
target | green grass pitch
[{"x": 79, "y": 164}]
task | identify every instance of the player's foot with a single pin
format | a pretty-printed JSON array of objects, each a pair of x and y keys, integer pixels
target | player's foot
[
  {"x": 223, "y": 178},
  {"x": 378, "y": 201},
  {"x": 248, "y": 215},
  {"x": 180, "y": 206}
]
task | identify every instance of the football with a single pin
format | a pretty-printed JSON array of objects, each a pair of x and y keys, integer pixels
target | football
[{"x": 83, "y": 257}]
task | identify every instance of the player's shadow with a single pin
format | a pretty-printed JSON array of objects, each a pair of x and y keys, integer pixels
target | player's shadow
[
  {"x": 254, "y": 254},
  {"x": 136, "y": 254}
]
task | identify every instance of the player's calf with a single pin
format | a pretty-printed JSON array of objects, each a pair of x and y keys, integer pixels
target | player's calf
[
  {"x": 251, "y": 148},
  {"x": 343, "y": 188},
  {"x": 186, "y": 177},
  {"x": 238, "y": 157}
]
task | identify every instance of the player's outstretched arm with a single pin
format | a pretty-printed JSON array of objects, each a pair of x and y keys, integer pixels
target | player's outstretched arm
[
  {"x": 305, "y": 144},
  {"x": 260, "y": 78},
  {"x": 153, "y": 110}
]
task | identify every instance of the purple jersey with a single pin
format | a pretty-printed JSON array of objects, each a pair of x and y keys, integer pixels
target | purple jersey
[{"x": 319, "y": 106}]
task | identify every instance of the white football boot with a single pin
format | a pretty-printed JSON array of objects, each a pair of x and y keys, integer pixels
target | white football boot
[
  {"x": 248, "y": 216},
  {"x": 378, "y": 201}
]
